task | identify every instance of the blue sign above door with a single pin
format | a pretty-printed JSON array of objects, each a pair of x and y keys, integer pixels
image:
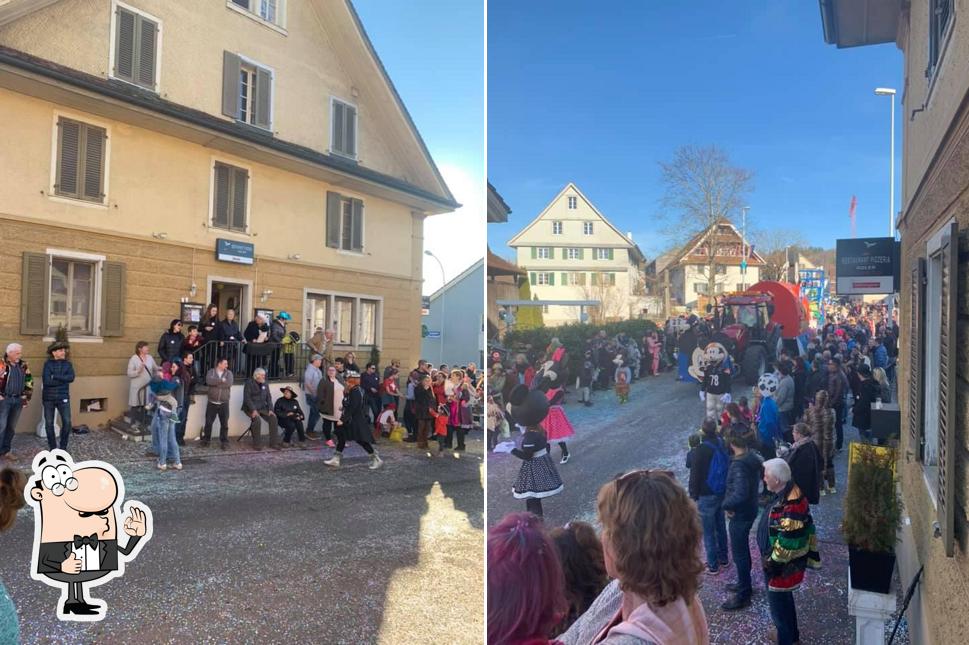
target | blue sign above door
[{"x": 232, "y": 251}]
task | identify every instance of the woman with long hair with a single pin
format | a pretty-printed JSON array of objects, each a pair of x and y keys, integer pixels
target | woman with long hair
[
  {"x": 525, "y": 582},
  {"x": 211, "y": 329},
  {"x": 651, "y": 543},
  {"x": 584, "y": 566}
]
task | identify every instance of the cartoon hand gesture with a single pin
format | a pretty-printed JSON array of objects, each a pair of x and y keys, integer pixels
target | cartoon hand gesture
[
  {"x": 71, "y": 564},
  {"x": 136, "y": 524}
]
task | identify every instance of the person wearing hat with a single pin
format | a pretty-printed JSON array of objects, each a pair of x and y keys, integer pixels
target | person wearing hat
[
  {"x": 277, "y": 332},
  {"x": 57, "y": 377},
  {"x": 537, "y": 478},
  {"x": 290, "y": 417},
  {"x": 257, "y": 403},
  {"x": 353, "y": 425}
]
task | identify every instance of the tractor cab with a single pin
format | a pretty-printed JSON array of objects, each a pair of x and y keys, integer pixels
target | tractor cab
[{"x": 743, "y": 324}]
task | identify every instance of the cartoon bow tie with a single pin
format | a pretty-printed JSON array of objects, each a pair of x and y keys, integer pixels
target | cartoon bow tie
[{"x": 91, "y": 541}]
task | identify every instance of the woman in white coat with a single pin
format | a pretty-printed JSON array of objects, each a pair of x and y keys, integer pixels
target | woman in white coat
[{"x": 141, "y": 369}]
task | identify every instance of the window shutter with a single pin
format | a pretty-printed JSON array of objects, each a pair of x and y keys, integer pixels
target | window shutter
[
  {"x": 147, "y": 37},
  {"x": 612, "y": 279},
  {"x": 35, "y": 285},
  {"x": 112, "y": 299},
  {"x": 94, "y": 139},
  {"x": 240, "y": 188},
  {"x": 534, "y": 252},
  {"x": 948, "y": 356},
  {"x": 531, "y": 278},
  {"x": 124, "y": 59},
  {"x": 581, "y": 254},
  {"x": 916, "y": 379},
  {"x": 551, "y": 279},
  {"x": 220, "y": 210},
  {"x": 595, "y": 279},
  {"x": 333, "y": 207},
  {"x": 350, "y": 137},
  {"x": 565, "y": 278},
  {"x": 231, "y": 67},
  {"x": 581, "y": 279},
  {"x": 264, "y": 92},
  {"x": 610, "y": 254},
  {"x": 356, "y": 227},
  {"x": 338, "y": 141},
  {"x": 68, "y": 162}
]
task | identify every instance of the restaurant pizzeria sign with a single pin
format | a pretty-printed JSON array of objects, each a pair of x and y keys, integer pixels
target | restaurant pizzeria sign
[{"x": 867, "y": 265}]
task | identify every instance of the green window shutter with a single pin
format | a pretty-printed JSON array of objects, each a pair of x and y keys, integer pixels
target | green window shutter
[
  {"x": 581, "y": 254},
  {"x": 565, "y": 278},
  {"x": 35, "y": 286},
  {"x": 264, "y": 91},
  {"x": 124, "y": 59},
  {"x": 534, "y": 252},
  {"x": 68, "y": 157},
  {"x": 338, "y": 135},
  {"x": 595, "y": 279},
  {"x": 94, "y": 144},
  {"x": 612, "y": 279},
  {"x": 231, "y": 67},
  {"x": 532, "y": 279},
  {"x": 145, "y": 52},
  {"x": 240, "y": 188},
  {"x": 222, "y": 195},
  {"x": 112, "y": 299},
  {"x": 356, "y": 226},
  {"x": 610, "y": 254},
  {"x": 350, "y": 137},
  {"x": 333, "y": 206},
  {"x": 551, "y": 279}
]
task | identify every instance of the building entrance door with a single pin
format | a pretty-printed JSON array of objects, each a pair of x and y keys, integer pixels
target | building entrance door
[{"x": 227, "y": 295}]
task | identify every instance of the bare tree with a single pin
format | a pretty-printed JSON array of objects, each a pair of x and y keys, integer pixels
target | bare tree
[
  {"x": 611, "y": 301},
  {"x": 773, "y": 245},
  {"x": 703, "y": 188}
]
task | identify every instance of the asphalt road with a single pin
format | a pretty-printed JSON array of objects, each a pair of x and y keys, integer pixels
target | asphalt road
[
  {"x": 276, "y": 548},
  {"x": 651, "y": 431}
]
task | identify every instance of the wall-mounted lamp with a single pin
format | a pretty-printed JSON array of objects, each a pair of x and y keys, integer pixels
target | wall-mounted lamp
[
  {"x": 193, "y": 290},
  {"x": 265, "y": 295},
  {"x": 160, "y": 236},
  {"x": 295, "y": 256}
]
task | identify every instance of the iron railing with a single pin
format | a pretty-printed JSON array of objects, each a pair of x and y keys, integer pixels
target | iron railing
[{"x": 282, "y": 361}]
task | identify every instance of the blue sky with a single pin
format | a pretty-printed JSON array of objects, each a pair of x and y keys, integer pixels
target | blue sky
[
  {"x": 434, "y": 53},
  {"x": 599, "y": 92}
]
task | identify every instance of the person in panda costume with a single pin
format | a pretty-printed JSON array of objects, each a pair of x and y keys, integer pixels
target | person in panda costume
[
  {"x": 768, "y": 418},
  {"x": 717, "y": 379},
  {"x": 537, "y": 478}
]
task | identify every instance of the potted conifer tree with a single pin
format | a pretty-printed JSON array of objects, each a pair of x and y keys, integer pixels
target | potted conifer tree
[{"x": 872, "y": 517}]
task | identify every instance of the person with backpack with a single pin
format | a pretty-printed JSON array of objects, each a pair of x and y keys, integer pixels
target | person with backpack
[
  {"x": 708, "y": 483},
  {"x": 740, "y": 507}
]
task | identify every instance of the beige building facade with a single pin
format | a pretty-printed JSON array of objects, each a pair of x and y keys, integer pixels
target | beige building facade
[
  {"x": 572, "y": 252},
  {"x": 933, "y": 379},
  {"x": 169, "y": 152}
]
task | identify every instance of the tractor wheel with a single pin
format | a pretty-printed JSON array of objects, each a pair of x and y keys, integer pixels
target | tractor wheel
[{"x": 755, "y": 363}]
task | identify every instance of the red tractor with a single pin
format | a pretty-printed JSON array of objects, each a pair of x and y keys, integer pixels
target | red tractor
[{"x": 756, "y": 324}]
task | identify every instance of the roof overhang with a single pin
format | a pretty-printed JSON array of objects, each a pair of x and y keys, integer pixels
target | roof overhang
[
  {"x": 498, "y": 210},
  {"x": 11, "y": 10},
  {"x": 118, "y": 101},
  {"x": 853, "y": 23}
]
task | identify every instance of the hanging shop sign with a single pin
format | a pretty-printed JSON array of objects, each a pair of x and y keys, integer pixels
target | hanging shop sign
[
  {"x": 867, "y": 265},
  {"x": 236, "y": 252},
  {"x": 425, "y": 305}
]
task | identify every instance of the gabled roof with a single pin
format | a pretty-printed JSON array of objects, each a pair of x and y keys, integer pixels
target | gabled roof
[
  {"x": 11, "y": 10},
  {"x": 683, "y": 255},
  {"x": 498, "y": 210},
  {"x": 457, "y": 279},
  {"x": 629, "y": 244}
]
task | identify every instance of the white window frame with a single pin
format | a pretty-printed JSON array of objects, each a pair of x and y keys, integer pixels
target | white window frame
[
  {"x": 588, "y": 228},
  {"x": 542, "y": 278},
  {"x": 557, "y": 228},
  {"x": 344, "y": 200},
  {"x": 573, "y": 278},
  {"x": 246, "y": 61},
  {"x": 331, "y": 297},
  {"x": 543, "y": 253},
  {"x": 279, "y": 26},
  {"x": 112, "y": 44},
  {"x": 83, "y": 118},
  {"x": 573, "y": 202},
  {"x": 571, "y": 254},
  {"x": 210, "y": 222},
  {"x": 252, "y": 74},
  {"x": 601, "y": 253},
  {"x": 98, "y": 261},
  {"x": 356, "y": 129}
]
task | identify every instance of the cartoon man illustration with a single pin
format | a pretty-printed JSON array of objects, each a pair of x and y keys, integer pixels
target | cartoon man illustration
[{"x": 75, "y": 529}]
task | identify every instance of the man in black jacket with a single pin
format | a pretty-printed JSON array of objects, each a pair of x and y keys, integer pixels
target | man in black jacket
[
  {"x": 740, "y": 506},
  {"x": 256, "y": 403}
]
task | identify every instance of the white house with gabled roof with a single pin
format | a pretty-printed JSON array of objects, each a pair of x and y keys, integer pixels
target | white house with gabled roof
[{"x": 572, "y": 252}]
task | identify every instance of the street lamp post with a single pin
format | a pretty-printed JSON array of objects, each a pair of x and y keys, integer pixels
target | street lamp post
[
  {"x": 440, "y": 355},
  {"x": 890, "y": 92}
]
